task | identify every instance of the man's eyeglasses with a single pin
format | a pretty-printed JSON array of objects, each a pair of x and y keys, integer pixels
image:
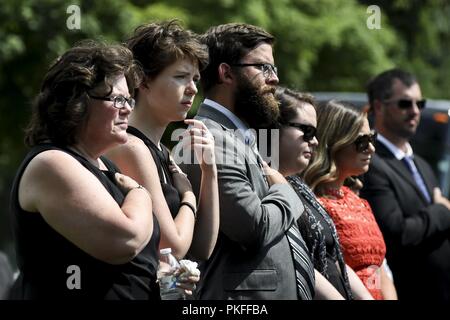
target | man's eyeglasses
[
  {"x": 267, "y": 68},
  {"x": 362, "y": 142},
  {"x": 408, "y": 103},
  {"x": 119, "y": 101},
  {"x": 309, "y": 132}
]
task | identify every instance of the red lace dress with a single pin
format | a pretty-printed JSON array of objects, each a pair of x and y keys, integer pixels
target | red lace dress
[{"x": 360, "y": 237}]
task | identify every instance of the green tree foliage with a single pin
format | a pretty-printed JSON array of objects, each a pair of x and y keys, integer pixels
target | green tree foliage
[
  {"x": 321, "y": 45},
  {"x": 423, "y": 29}
]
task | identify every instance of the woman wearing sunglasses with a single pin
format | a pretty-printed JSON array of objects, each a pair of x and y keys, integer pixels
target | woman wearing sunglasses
[
  {"x": 297, "y": 125},
  {"x": 345, "y": 149}
]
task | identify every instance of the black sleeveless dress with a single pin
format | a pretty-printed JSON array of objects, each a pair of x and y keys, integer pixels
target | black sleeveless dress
[
  {"x": 47, "y": 260},
  {"x": 162, "y": 161}
]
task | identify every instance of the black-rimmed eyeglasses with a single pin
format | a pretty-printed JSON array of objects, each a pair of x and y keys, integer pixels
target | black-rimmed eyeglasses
[
  {"x": 309, "y": 132},
  {"x": 119, "y": 101},
  {"x": 268, "y": 69},
  {"x": 362, "y": 142},
  {"x": 408, "y": 103}
]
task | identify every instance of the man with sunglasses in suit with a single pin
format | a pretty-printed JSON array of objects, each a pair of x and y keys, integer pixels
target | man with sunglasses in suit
[{"x": 403, "y": 192}]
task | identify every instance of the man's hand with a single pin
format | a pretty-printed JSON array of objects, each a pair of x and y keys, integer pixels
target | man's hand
[{"x": 440, "y": 199}]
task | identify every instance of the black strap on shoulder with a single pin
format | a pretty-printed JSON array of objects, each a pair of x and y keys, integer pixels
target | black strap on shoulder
[{"x": 160, "y": 157}]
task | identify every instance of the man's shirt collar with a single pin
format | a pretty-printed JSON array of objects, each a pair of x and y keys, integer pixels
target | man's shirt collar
[
  {"x": 398, "y": 153},
  {"x": 249, "y": 137}
]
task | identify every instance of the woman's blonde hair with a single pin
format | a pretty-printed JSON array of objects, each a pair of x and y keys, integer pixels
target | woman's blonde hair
[{"x": 338, "y": 125}]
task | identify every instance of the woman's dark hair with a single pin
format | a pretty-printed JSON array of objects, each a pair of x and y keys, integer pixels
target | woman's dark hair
[
  {"x": 61, "y": 105},
  {"x": 289, "y": 102},
  {"x": 158, "y": 45}
]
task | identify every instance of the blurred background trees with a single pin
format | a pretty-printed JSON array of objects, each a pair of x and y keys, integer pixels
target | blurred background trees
[{"x": 322, "y": 45}]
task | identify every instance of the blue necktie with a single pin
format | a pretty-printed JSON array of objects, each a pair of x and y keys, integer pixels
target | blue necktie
[{"x": 417, "y": 177}]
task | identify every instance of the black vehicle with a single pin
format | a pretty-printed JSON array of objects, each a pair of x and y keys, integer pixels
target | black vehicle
[{"x": 432, "y": 139}]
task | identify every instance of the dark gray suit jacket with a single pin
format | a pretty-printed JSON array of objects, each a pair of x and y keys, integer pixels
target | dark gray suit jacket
[
  {"x": 416, "y": 233},
  {"x": 252, "y": 258}
]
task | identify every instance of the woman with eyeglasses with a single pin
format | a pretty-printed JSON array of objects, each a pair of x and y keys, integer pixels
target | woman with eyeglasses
[
  {"x": 346, "y": 145},
  {"x": 297, "y": 124},
  {"x": 171, "y": 58},
  {"x": 82, "y": 229}
]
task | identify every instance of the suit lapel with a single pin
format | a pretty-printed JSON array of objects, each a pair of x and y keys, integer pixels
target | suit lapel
[{"x": 399, "y": 167}]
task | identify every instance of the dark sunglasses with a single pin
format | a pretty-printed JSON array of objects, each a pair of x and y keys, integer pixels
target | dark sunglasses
[
  {"x": 309, "y": 132},
  {"x": 362, "y": 142},
  {"x": 407, "y": 103}
]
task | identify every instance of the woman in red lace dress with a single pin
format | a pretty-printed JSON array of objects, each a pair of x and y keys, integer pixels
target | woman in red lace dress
[{"x": 345, "y": 149}]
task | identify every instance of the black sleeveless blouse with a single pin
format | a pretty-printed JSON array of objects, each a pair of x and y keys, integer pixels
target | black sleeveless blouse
[
  {"x": 162, "y": 161},
  {"x": 46, "y": 259}
]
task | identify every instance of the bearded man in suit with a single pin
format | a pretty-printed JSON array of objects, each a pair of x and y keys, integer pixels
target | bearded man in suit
[{"x": 254, "y": 257}]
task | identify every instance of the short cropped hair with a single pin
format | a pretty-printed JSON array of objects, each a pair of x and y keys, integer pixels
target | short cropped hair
[
  {"x": 158, "y": 45},
  {"x": 61, "y": 105},
  {"x": 380, "y": 87}
]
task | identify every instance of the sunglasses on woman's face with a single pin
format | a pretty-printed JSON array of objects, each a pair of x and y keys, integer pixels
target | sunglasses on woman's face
[
  {"x": 362, "y": 142},
  {"x": 408, "y": 103},
  {"x": 309, "y": 132}
]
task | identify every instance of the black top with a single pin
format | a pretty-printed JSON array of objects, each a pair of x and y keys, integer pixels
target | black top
[
  {"x": 321, "y": 238},
  {"x": 162, "y": 161},
  {"x": 49, "y": 263}
]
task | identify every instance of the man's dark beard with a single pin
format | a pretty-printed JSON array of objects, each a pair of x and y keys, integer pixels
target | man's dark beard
[{"x": 256, "y": 106}]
